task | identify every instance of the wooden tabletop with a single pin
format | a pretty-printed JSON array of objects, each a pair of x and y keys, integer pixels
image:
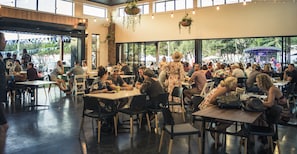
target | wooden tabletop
[
  {"x": 116, "y": 95},
  {"x": 235, "y": 115},
  {"x": 36, "y": 82}
]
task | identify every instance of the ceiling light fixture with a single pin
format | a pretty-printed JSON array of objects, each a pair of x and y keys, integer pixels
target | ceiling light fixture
[
  {"x": 171, "y": 15},
  {"x": 218, "y": 8}
]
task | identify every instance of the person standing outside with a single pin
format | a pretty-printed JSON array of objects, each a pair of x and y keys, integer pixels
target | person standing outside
[
  {"x": 3, "y": 122},
  {"x": 26, "y": 58}
]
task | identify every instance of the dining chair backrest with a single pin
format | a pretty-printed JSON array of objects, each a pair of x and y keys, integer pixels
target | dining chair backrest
[
  {"x": 167, "y": 117},
  {"x": 177, "y": 92},
  {"x": 241, "y": 82},
  {"x": 208, "y": 86},
  {"x": 94, "y": 84},
  {"x": 91, "y": 104},
  {"x": 138, "y": 103},
  {"x": 163, "y": 100},
  {"x": 79, "y": 84}
]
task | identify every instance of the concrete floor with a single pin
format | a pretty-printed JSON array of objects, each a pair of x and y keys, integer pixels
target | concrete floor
[{"x": 55, "y": 130}]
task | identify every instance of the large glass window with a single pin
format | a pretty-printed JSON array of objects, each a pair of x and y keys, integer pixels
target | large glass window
[
  {"x": 169, "y": 5},
  {"x": 47, "y": 6},
  {"x": 94, "y": 11},
  {"x": 64, "y": 7},
  {"x": 150, "y": 54},
  {"x": 26, "y": 4},
  {"x": 218, "y": 2},
  {"x": 8, "y": 3},
  {"x": 207, "y": 3}
]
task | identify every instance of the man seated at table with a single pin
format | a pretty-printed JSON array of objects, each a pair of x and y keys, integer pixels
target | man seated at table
[
  {"x": 31, "y": 76},
  {"x": 118, "y": 81},
  {"x": 102, "y": 84},
  {"x": 31, "y": 72},
  {"x": 139, "y": 78},
  {"x": 251, "y": 80},
  {"x": 199, "y": 78},
  {"x": 290, "y": 74},
  {"x": 152, "y": 88},
  {"x": 76, "y": 70}
]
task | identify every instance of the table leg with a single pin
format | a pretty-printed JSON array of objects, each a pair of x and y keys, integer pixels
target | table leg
[{"x": 203, "y": 136}]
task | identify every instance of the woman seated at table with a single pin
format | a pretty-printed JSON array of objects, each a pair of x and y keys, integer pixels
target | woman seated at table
[
  {"x": 226, "y": 86},
  {"x": 274, "y": 95}
]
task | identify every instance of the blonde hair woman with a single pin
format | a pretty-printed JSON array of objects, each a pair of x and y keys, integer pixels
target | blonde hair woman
[{"x": 227, "y": 85}]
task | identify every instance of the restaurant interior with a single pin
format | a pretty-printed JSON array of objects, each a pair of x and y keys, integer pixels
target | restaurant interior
[{"x": 104, "y": 33}]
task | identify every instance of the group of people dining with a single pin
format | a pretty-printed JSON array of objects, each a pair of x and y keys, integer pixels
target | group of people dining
[{"x": 172, "y": 74}]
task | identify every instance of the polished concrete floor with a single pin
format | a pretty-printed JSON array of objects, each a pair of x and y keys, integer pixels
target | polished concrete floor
[{"x": 55, "y": 130}]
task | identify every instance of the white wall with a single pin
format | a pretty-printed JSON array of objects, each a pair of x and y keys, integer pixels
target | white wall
[
  {"x": 231, "y": 21},
  {"x": 258, "y": 19}
]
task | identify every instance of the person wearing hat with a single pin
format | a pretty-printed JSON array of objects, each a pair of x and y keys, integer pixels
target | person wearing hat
[
  {"x": 176, "y": 75},
  {"x": 117, "y": 80},
  {"x": 151, "y": 87}
]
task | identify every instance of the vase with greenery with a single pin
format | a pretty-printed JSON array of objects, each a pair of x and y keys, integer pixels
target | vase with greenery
[
  {"x": 185, "y": 22},
  {"x": 132, "y": 8}
]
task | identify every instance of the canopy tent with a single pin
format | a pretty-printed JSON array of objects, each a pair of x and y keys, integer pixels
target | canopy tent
[{"x": 262, "y": 50}]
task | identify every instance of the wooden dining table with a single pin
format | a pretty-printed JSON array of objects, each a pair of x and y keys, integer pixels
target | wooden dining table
[
  {"x": 36, "y": 84},
  {"x": 232, "y": 115},
  {"x": 115, "y": 95}
]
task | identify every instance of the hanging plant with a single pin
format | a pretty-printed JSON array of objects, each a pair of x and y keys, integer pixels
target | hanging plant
[
  {"x": 185, "y": 22},
  {"x": 132, "y": 8}
]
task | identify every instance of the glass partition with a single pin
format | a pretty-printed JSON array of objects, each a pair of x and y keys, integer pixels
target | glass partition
[{"x": 95, "y": 50}]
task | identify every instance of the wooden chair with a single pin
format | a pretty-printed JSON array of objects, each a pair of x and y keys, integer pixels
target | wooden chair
[
  {"x": 208, "y": 86},
  {"x": 79, "y": 84},
  {"x": 270, "y": 131},
  {"x": 178, "y": 93},
  {"x": 162, "y": 101},
  {"x": 173, "y": 130},
  {"x": 93, "y": 109},
  {"x": 137, "y": 107}
]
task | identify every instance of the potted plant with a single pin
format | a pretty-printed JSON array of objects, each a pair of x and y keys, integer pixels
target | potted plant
[
  {"x": 131, "y": 8},
  {"x": 185, "y": 22}
]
